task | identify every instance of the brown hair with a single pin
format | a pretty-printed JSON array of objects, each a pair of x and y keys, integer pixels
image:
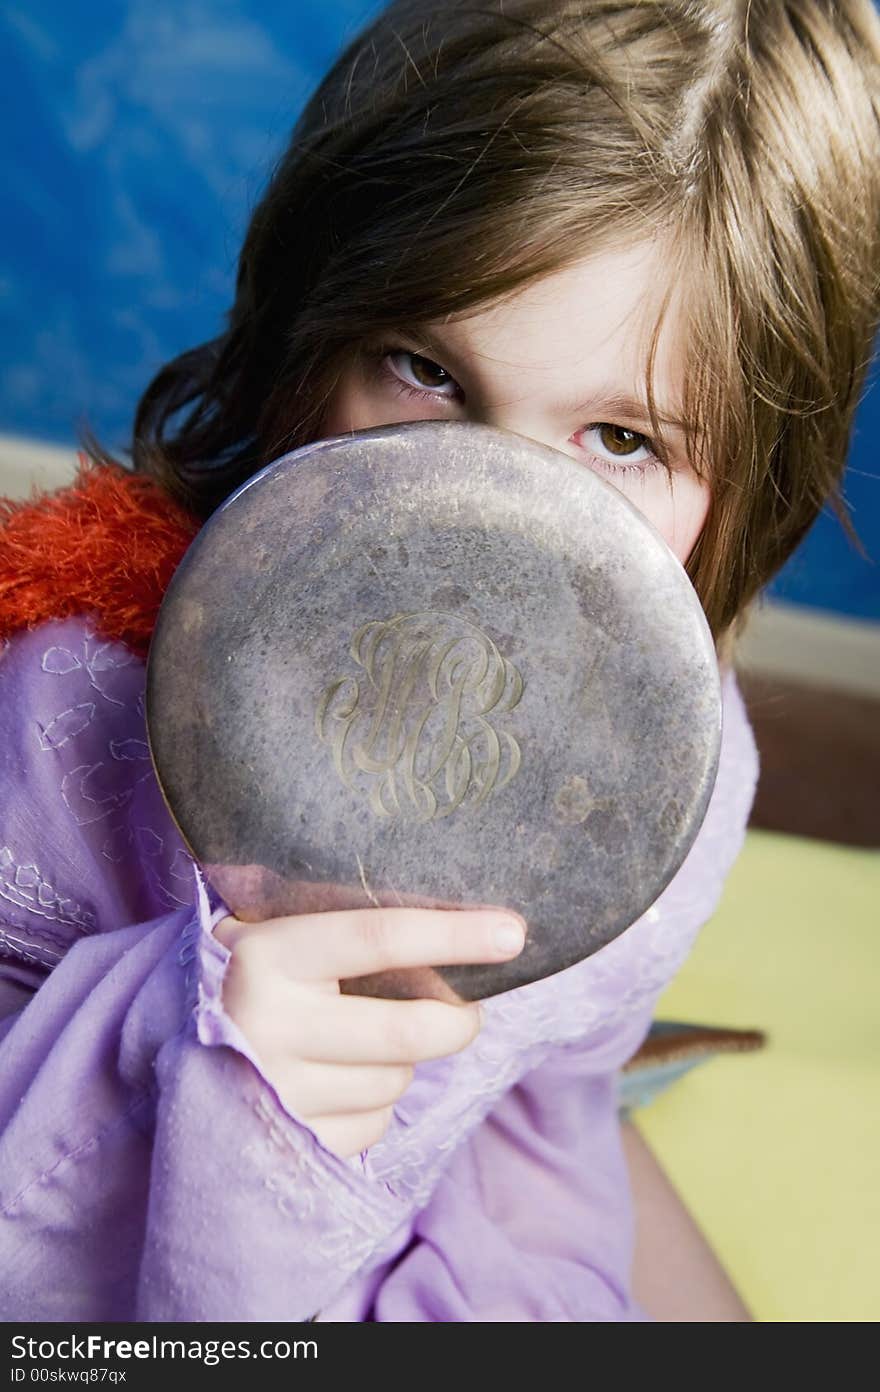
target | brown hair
[{"x": 456, "y": 152}]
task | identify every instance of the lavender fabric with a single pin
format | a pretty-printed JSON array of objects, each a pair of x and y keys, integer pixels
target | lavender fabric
[{"x": 149, "y": 1171}]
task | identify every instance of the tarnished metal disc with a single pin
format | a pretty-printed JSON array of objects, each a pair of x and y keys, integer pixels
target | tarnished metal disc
[{"x": 436, "y": 664}]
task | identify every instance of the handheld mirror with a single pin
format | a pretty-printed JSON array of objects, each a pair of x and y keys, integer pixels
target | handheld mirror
[{"x": 440, "y": 665}]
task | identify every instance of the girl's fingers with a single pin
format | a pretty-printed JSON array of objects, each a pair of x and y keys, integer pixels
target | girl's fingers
[
  {"x": 364, "y": 1030},
  {"x": 337, "y": 946},
  {"x": 332, "y": 1089},
  {"x": 349, "y": 1135}
]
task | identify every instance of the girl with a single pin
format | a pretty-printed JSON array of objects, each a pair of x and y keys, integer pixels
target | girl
[{"x": 645, "y": 234}]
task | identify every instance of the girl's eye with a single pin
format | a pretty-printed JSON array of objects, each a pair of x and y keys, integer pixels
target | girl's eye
[
  {"x": 618, "y": 449},
  {"x": 615, "y": 448},
  {"x": 421, "y": 374}
]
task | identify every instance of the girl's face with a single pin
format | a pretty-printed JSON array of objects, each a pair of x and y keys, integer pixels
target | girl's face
[{"x": 562, "y": 362}]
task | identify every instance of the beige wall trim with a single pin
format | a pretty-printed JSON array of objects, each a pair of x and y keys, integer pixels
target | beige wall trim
[
  {"x": 782, "y": 640},
  {"x": 25, "y": 463},
  {"x": 798, "y": 644}
]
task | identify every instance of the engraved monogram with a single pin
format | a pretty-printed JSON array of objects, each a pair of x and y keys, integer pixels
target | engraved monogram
[{"x": 414, "y": 732}]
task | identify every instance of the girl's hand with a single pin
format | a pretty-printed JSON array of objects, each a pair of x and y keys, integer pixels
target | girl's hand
[{"x": 341, "y": 1061}]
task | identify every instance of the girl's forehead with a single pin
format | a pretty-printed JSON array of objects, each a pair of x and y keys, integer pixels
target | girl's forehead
[{"x": 599, "y": 311}]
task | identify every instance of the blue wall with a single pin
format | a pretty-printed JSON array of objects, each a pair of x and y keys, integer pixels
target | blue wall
[{"x": 140, "y": 135}]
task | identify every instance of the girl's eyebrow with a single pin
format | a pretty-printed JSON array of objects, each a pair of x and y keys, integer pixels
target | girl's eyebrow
[{"x": 634, "y": 408}]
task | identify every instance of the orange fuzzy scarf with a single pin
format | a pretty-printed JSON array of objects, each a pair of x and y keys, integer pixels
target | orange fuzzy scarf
[{"x": 107, "y": 545}]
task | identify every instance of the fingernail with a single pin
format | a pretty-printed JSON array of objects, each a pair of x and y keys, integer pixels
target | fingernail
[{"x": 509, "y": 936}]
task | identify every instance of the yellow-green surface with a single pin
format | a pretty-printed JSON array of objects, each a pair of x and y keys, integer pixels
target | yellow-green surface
[{"x": 777, "y": 1154}]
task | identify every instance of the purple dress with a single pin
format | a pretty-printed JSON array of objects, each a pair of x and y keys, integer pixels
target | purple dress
[{"x": 148, "y": 1170}]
